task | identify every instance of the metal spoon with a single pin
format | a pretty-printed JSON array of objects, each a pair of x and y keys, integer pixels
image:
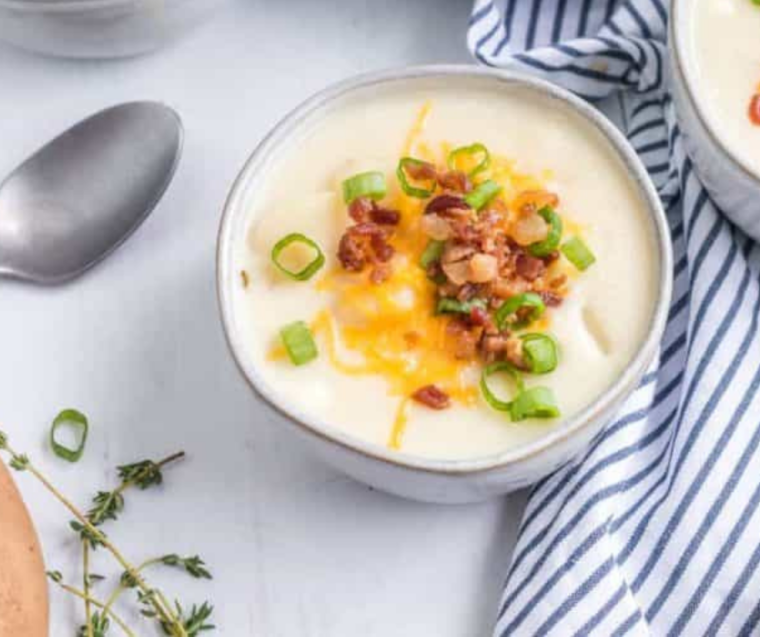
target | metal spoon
[{"x": 80, "y": 196}]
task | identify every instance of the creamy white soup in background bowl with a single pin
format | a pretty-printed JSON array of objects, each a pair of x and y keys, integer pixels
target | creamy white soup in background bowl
[
  {"x": 715, "y": 72},
  {"x": 445, "y": 279}
]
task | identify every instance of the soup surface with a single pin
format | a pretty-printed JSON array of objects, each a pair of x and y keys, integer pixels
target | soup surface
[
  {"x": 380, "y": 338},
  {"x": 724, "y": 59}
]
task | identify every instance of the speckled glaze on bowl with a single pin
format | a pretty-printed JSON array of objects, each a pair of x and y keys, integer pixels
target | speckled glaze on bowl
[
  {"x": 732, "y": 185},
  {"x": 445, "y": 481}
]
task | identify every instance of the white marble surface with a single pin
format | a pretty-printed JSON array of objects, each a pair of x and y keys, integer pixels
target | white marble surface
[
  {"x": 295, "y": 548},
  {"x": 136, "y": 344}
]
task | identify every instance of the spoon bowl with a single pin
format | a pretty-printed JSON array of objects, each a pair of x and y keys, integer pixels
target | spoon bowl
[{"x": 80, "y": 196}]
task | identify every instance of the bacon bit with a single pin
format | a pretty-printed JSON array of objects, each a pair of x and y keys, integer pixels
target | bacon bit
[
  {"x": 550, "y": 298},
  {"x": 551, "y": 257},
  {"x": 382, "y": 249},
  {"x": 362, "y": 244},
  {"x": 493, "y": 346},
  {"x": 432, "y": 397},
  {"x": 360, "y": 208},
  {"x": 443, "y": 203},
  {"x": 481, "y": 318},
  {"x": 754, "y": 109},
  {"x": 367, "y": 229},
  {"x": 455, "y": 180},
  {"x": 463, "y": 231},
  {"x": 467, "y": 292},
  {"x": 529, "y": 267},
  {"x": 385, "y": 216},
  {"x": 380, "y": 273},
  {"x": 465, "y": 338},
  {"x": 244, "y": 278},
  {"x": 534, "y": 200},
  {"x": 422, "y": 171},
  {"x": 466, "y": 344},
  {"x": 351, "y": 253}
]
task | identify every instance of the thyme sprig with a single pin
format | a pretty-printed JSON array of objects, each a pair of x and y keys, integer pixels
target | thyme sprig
[
  {"x": 107, "y": 505},
  {"x": 195, "y": 621},
  {"x": 98, "y": 621},
  {"x": 193, "y": 566}
]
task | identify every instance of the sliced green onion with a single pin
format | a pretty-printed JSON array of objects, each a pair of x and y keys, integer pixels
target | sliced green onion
[
  {"x": 432, "y": 253},
  {"x": 311, "y": 269},
  {"x": 490, "y": 397},
  {"x": 536, "y": 402},
  {"x": 512, "y": 305},
  {"x": 578, "y": 253},
  {"x": 413, "y": 191},
  {"x": 299, "y": 342},
  {"x": 370, "y": 184},
  {"x": 453, "y": 306},
  {"x": 471, "y": 150},
  {"x": 539, "y": 352},
  {"x": 547, "y": 246},
  {"x": 76, "y": 420},
  {"x": 482, "y": 194}
]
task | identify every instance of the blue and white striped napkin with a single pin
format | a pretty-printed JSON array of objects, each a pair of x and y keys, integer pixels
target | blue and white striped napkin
[{"x": 655, "y": 530}]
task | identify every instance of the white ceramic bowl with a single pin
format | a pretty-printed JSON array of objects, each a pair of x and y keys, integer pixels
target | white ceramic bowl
[
  {"x": 729, "y": 180},
  {"x": 448, "y": 481},
  {"x": 99, "y": 28}
]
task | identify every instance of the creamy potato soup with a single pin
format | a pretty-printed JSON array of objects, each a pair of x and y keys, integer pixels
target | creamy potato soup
[
  {"x": 444, "y": 268},
  {"x": 724, "y": 57}
]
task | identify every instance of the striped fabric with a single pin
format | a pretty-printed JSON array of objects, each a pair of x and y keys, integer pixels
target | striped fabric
[{"x": 654, "y": 531}]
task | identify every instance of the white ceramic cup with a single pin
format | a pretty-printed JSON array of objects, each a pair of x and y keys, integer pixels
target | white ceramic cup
[
  {"x": 447, "y": 481},
  {"x": 732, "y": 185}
]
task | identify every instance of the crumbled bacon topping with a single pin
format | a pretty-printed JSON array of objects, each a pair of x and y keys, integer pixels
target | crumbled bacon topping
[
  {"x": 385, "y": 216},
  {"x": 482, "y": 261},
  {"x": 529, "y": 267},
  {"x": 366, "y": 242},
  {"x": 433, "y": 397},
  {"x": 486, "y": 259},
  {"x": 454, "y": 180},
  {"x": 446, "y": 203}
]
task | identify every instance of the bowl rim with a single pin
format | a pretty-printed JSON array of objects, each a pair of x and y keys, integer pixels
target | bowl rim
[
  {"x": 678, "y": 36},
  {"x": 573, "y": 426}
]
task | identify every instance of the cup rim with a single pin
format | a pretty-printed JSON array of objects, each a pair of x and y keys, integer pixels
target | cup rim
[
  {"x": 497, "y": 461},
  {"x": 679, "y": 56}
]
